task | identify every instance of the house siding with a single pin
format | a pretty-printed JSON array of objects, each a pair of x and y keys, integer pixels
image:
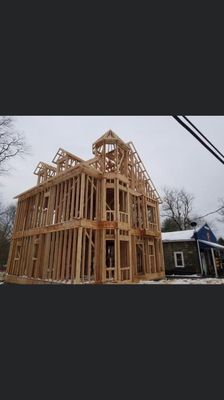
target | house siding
[{"x": 190, "y": 253}]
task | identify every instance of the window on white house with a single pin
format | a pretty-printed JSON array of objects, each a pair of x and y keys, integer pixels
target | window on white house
[{"x": 179, "y": 259}]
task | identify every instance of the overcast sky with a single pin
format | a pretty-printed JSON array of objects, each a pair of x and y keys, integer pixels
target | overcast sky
[{"x": 171, "y": 155}]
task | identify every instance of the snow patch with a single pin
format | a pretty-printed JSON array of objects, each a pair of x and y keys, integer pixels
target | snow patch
[
  {"x": 178, "y": 235},
  {"x": 186, "y": 281}
]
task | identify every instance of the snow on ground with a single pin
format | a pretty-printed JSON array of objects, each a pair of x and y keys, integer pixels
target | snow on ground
[
  {"x": 186, "y": 281},
  {"x": 2, "y": 274}
]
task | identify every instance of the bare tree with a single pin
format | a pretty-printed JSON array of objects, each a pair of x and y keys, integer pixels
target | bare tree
[
  {"x": 177, "y": 207},
  {"x": 221, "y": 210},
  {"x": 7, "y": 217},
  {"x": 12, "y": 143}
]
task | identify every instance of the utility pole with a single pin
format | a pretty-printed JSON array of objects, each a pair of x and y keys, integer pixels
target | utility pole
[{"x": 194, "y": 224}]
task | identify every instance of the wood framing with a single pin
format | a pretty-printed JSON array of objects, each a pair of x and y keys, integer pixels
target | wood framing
[{"x": 94, "y": 221}]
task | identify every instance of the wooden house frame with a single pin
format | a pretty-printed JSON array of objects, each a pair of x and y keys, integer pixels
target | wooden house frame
[{"x": 94, "y": 221}]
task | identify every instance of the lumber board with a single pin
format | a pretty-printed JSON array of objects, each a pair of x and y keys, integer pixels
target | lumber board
[{"x": 78, "y": 255}]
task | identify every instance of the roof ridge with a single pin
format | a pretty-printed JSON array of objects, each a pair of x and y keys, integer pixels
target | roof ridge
[{"x": 109, "y": 135}]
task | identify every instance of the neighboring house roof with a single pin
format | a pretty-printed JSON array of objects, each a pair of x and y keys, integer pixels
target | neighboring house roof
[
  {"x": 188, "y": 236},
  {"x": 178, "y": 236}
]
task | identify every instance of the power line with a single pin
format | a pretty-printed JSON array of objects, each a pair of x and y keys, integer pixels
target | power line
[
  {"x": 215, "y": 148},
  {"x": 213, "y": 212},
  {"x": 197, "y": 137},
  {"x": 206, "y": 146}
]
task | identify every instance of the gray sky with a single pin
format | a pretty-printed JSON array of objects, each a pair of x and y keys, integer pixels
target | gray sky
[{"x": 171, "y": 155}]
